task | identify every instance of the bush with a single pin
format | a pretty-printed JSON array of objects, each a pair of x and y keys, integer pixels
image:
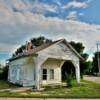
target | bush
[
  {"x": 4, "y": 73},
  {"x": 69, "y": 78}
]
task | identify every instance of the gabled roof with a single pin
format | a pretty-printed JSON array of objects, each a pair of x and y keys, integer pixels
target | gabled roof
[
  {"x": 44, "y": 46},
  {"x": 73, "y": 49}
]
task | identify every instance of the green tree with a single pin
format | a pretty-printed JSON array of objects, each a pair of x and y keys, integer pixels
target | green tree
[
  {"x": 4, "y": 72},
  {"x": 85, "y": 65},
  {"x": 19, "y": 50},
  {"x": 35, "y": 41},
  {"x": 40, "y": 40},
  {"x": 95, "y": 63},
  {"x": 78, "y": 46}
]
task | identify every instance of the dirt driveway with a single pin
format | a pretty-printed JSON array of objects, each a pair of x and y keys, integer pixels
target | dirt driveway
[{"x": 92, "y": 78}]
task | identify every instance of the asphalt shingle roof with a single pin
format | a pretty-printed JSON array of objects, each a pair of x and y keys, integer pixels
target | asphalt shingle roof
[{"x": 35, "y": 51}]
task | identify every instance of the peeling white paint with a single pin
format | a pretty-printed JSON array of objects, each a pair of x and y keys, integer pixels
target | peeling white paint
[{"x": 30, "y": 67}]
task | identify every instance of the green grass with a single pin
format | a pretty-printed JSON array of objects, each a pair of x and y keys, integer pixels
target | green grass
[
  {"x": 5, "y": 85},
  {"x": 87, "y": 89}
]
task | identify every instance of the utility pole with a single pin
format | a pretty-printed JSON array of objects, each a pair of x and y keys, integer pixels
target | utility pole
[{"x": 98, "y": 59}]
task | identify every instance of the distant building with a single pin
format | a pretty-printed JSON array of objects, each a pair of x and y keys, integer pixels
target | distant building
[{"x": 42, "y": 65}]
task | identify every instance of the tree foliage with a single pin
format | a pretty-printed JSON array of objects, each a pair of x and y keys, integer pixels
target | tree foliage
[
  {"x": 95, "y": 63},
  {"x": 20, "y": 49},
  {"x": 85, "y": 65},
  {"x": 78, "y": 46},
  {"x": 35, "y": 41},
  {"x": 4, "y": 73},
  {"x": 40, "y": 40}
]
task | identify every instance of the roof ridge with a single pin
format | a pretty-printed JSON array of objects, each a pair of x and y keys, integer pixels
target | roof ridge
[{"x": 45, "y": 45}]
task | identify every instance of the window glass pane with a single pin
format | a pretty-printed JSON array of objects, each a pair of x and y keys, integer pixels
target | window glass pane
[
  {"x": 44, "y": 77},
  {"x": 44, "y": 71},
  {"x": 51, "y": 73}
]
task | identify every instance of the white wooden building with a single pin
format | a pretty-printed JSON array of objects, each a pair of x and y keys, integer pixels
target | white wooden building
[{"x": 42, "y": 65}]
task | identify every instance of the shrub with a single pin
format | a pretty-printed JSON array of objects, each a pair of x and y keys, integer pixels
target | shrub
[
  {"x": 69, "y": 78},
  {"x": 4, "y": 73}
]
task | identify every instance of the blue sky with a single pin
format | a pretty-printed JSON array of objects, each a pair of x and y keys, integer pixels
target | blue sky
[{"x": 20, "y": 20}]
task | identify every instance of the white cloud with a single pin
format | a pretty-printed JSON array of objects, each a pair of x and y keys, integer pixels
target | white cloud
[
  {"x": 72, "y": 15},
  {"x": 23, "y": 6},
  {"x": 27, "y": 25},
  {"x": 75, "y": 4},
  {"x": 17, "y": 27},
  {"x": 37, "y": 7},
  {"x": 5, "y": 47},
  {"x": 81, "y": 14}
]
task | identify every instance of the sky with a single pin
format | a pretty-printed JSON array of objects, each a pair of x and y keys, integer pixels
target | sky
[{"x": 74, "y": 20}]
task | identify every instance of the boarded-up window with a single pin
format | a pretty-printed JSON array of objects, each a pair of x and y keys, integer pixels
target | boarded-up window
[{"x": 18, "y": 74}]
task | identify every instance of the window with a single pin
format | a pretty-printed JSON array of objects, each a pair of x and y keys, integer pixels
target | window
[
  {"x": 51, "y": 73},
  {"x": 44, "y": 74}
]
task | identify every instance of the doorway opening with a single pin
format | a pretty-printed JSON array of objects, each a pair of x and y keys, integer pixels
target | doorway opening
[{"x": 68, "y": 68}]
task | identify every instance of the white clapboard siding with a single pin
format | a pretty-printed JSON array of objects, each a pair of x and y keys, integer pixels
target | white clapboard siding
[{"x": 60, "y": 50}]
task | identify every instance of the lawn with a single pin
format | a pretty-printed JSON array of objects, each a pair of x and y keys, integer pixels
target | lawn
[
  {"x": 85, "y": 90},
  {"x": 6, "y": 85}
]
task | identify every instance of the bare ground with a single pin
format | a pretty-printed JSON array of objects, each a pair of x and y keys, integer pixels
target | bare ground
[{"x": 92, "y": 78}]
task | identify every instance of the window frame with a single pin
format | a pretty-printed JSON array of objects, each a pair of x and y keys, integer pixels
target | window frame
[
  {"x": 51, "y": 71},
  {"x": 44, "y": 74}
]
